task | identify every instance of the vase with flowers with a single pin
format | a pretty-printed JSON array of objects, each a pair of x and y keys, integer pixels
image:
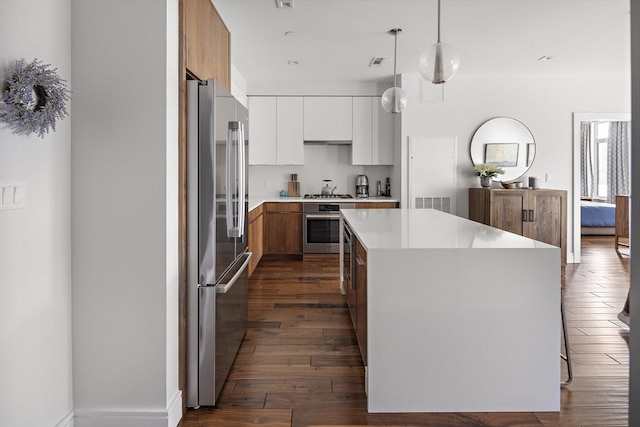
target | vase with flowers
[{"x": 487, "y": 172}]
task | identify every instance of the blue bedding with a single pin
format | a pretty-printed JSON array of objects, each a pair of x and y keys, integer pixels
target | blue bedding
[{"x": 595, "y": 214}]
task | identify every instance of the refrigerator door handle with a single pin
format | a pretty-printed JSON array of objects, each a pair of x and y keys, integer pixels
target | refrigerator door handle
[
  {"x": 235, "y": 217},
  {"x": 241, "y": 179},
  {"x": 223, "y": 288},
  {"x": 228, "y": 181}
]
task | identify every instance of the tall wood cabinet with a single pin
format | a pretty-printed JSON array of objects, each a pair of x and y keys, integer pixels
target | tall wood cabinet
[
  {"x": 539, "y": 214},
  {"x": 206, "y": 42}
]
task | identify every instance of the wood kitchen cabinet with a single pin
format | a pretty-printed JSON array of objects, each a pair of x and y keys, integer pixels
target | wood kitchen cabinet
[
  {"x": 276, "y": 130},
  {"x": 360, "y": 281},
  {"x": 283, "y": 228},
  {"x": 539, "y": 214},
  {"x": 372, "y": 142},
  {"x": 206, "y": 42},
  {"x": 328, "y": 118},
  {"x": 376, "y": 205},
  {"x": 256, "y": 236},
  {"x": 356, "y": 292}
]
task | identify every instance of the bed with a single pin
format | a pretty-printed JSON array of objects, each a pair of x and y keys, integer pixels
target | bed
[{"x": 597, "y": 218}]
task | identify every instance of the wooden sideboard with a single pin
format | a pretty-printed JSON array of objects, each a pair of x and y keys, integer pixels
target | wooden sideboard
[{"x": 539, "y": 214}]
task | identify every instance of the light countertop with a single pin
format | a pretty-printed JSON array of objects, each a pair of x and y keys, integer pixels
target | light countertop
[
  {"x": 254, "y": 202},
  {"x": 428, "y": 229}
]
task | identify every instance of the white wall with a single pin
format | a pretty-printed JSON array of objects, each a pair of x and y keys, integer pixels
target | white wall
[
  {"x": 124, "y": 209},
  {"x": 543, "y": 102},
  {"x": 35, "y": 252}
]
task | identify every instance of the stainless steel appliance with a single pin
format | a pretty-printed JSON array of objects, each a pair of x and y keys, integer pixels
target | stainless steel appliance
[
  {"x": 327, "y": 187},
  {"x": 217, "y": 257},
  {"x": 362, "y": 186},
  {"x": 321, "y": 227}
]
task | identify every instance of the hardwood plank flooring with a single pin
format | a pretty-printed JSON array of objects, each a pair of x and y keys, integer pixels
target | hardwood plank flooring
[{"x": 299, "y": 364}]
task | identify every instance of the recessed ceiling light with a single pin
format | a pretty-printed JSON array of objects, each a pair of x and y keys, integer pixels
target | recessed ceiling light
[
  {"x": 376, "y": 62},
  {"x": 545, "y": 58},
  {"x": 293, "y": 62},
  {"x": 289, "y": 33},
  {"x": 287, "y": 4}
]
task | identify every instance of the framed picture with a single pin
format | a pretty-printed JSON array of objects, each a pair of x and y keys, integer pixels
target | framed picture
[{"x": 501, "y": 154}]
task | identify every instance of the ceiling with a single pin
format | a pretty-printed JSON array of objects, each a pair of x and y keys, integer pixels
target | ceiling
[{"x": 334, "y": 40}]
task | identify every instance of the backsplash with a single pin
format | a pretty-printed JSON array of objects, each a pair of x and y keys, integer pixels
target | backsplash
[{"x": 320, "y": 162}]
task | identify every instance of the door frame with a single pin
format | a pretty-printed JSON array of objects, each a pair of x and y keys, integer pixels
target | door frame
[{"x": 575, "y": 199}]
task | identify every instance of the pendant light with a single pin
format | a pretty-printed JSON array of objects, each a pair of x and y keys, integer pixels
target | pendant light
[
  {"x": 440, "y": 61},
  {"x": 394, "y": 99}
]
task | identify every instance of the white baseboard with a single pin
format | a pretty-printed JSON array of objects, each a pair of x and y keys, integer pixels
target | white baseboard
[
  {"x": 66, "y": 421},
  {"x": 170, "y": 417}
]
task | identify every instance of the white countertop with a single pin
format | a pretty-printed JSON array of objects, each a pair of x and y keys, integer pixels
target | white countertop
[
  {"x": 254, "y": 202},
  {"x": 428, "y": 229}
]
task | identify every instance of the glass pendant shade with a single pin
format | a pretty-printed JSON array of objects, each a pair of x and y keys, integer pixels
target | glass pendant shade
[
  {"x": 438, "y": 63},
  {"x": 394, "y": 100}
]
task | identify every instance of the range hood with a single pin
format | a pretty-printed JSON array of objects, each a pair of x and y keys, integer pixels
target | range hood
[{"x": 340, "y": 142}]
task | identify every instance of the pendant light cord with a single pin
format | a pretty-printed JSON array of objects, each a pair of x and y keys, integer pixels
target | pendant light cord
[
  {"x": 395, "y": 50},
  {"x": 438, "y": 21}
]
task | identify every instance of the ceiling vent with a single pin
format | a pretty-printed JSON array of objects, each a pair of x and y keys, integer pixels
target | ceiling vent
[
  {"x": 376, "y": 62},
  {"x": 286, "y": 4}
]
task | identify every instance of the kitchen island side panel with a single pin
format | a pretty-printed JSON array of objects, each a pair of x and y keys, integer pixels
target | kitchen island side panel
[{"x": 464, "y": 330}]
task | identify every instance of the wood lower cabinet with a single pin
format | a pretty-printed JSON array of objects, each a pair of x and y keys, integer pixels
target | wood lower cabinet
[
  {"x": 355, "y": 285},
  {"x": 360, "y": 279},
  {"x": 376, "y": 205},
  {"x": 283, "y": 228},
  {"x": 538, "y": 214},
  {"x": 256, "y": 236}
]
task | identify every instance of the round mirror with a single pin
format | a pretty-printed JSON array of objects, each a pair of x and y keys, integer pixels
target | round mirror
[{"x": 505, "y": 143}]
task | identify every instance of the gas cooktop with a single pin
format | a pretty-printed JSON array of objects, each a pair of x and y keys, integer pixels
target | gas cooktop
[{"x": 328, "y": 196}]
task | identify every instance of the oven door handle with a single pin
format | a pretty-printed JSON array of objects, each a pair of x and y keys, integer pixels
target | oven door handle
[{"x": 322, "y": 216}]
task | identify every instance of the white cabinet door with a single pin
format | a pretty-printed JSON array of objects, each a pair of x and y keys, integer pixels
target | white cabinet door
[
  {"x": 289, "y": 130},
  {"x": 382, "y": 144},
  {"x": 262, "y": 123},
  {"x": 327, "y": 118},
  {"x": 372, "y": 133},
  {"x": 361, "y": 146}
]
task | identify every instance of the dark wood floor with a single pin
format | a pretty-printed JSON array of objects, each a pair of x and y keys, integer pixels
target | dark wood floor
[{"x": 299, "y": 364}]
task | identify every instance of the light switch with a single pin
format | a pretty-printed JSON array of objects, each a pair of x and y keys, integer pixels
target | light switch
[
  {"x": 7, "y": 195},
  {"x": 18, "y": 195},
  {"x": 12, "y": 195}
]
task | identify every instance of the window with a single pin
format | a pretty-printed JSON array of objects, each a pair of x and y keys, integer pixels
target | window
[{"x": 600, "y": 133}]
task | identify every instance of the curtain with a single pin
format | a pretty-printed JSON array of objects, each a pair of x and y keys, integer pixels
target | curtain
[
  {"x": 586, "y": 163},
  {"x": 618, "y": 160}
]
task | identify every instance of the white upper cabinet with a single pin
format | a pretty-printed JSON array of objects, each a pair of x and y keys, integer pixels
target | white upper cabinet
[
  {"x": 372, "y": 132},
  {"x": 289, "y": 135},
  {"x": 262, "y": 128},
  {"x": 328, "y": 118},
  {"x": 276, "y": 130}
]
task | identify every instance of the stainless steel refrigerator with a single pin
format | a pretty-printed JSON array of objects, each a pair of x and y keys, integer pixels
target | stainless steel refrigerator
[{"x": 217, "y": 257}]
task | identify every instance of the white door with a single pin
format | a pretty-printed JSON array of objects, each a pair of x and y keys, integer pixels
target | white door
[{"x": 432, "y": 173}]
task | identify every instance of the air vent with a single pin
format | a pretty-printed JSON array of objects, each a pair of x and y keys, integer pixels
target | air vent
[
  {"x": 284, "y": 4},
  {"x": 439, "y": 203},
  {"x": 376, "y": 62}
]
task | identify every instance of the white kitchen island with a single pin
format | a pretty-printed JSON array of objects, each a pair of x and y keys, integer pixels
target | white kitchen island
[{"x": 461, "y": 317}]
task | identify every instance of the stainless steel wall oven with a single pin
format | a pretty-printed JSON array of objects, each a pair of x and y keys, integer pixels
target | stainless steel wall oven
[{"x": 321, "y": 227}]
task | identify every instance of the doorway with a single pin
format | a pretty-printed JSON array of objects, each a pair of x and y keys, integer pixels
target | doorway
[{"x": 579, "y": 118}]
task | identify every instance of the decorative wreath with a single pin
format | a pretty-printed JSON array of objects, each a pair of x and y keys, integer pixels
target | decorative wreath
[{"x": 34, "y": 98}]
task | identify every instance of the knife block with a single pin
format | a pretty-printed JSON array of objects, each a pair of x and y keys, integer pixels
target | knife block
[{"x": 293, "y": 189}]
